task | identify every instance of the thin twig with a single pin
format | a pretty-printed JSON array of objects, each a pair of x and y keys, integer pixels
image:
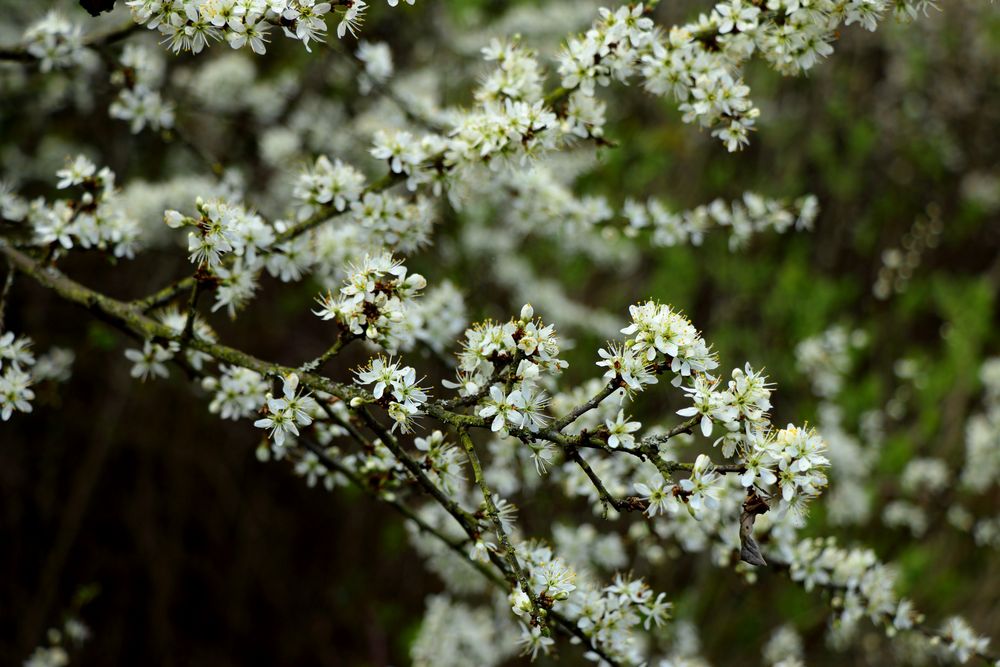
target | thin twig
[
  {"x": 463, "y": 517},
  {"x": 628, "y": 504},
  {"x": 344, "y": 337},
  {"x": 7, "y": 284},
  {"x": 581, "y": 410},
  {"x": 509, "y": 554}
]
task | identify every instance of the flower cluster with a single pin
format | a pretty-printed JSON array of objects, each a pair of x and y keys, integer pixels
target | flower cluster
[
  {"x": 866, "y": 583},
  {"x": 700, "y": 64},
  {"x": 752, "y": 215},
  {"x": 507, "y": 132},
  {"x": 93, "y": 219},
  {"x": 56, "y": 41},
  {"x": 405, "y": 154},
  {"x": 801, "y": 464},
  {"x": 139, "y": 102},
  {"x": 378, "y": 220},
  {"x": 489, "y": 348},
  {"x": 193, "y": 26},
  {"x": 237, "y": 392},
  {"x": 741, "y": 408},
  {"x": 982, "y": 456},
  {"x": 222, "y": 228},
  {"x": 608, "y": 51},
  {"x": 443, "y": 459},
  {"x": 405, "y": 396},
  {"x": 656, "y": 330},
  {"x": 961, "y": 640},
  {"x": 283, "y": 416},
  {"x": 332, "y": 186},
  {"x": 518, "y": 75},
  {"x": 16, "y": 359},
  {"x": 374, "y": 302},
  {"x": 607, "y": 615}
]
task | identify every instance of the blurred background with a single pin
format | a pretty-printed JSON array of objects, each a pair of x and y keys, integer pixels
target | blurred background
[{"x": 133, "y": 507}]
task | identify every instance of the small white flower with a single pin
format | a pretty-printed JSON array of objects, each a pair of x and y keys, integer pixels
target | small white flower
[
  {"x": 620, "y": 431},
  {"x": 149, "y": 362}
]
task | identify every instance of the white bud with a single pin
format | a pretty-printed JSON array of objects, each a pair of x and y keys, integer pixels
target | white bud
[
  {"x": 291, "y": 384},
  {"x": 527, "y": 312},
  {"x": 174, "y": 219},
  {"x": 263, "y": 453}
]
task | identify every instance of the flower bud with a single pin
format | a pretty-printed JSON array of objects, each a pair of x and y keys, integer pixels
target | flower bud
[{"x": 174, "y": 219}]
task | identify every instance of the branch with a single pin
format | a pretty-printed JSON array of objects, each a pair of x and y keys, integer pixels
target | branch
[
  {"x": 464, "y": 518},
  {"x": 652, "y": 441},
  {"x": 344, "y": 337},
  {"x": 128, "y": 317},
  {"x": 491, "y": 509},
  {"x": 629, "y": 504},
  {"x": 581, "y": 410}
]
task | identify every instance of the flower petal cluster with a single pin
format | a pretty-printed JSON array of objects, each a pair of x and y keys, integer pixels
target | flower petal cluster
[
  {"x": 397, "y": 386},
  {"x": 93, "y": 218},
  {"x": 237, "y": 393},
  {"x": 744, "y": 218},
  {"x": 283, "y": 415},
  {"x": 16, "y": 359},
  {"x": 56, "y": 41},
  {"x": 140, "y": 102},
  {"x": 375, "y": 301},
  {"x": 659, "y": 332}
]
